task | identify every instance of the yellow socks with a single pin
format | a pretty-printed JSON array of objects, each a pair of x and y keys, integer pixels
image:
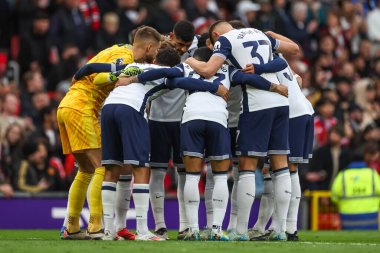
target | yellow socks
[
  {"x": 77, "y": 196},
  {"x": 95, "y": 201}
]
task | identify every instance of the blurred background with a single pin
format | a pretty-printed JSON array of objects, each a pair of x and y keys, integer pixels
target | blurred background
[{"x": 43, "y": 43}]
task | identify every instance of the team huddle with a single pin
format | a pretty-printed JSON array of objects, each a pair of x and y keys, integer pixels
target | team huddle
[{"x": 175, "y": 98}]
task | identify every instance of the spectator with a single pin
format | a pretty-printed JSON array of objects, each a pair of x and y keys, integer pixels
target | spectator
[
  {"x": 246, "y": 11},
  {"x": 33, "y": 83},
  {"x": 70, "y": 62},
  {"x": 49, "y": 130},
  {"x": 35, "y": 174},
  {"x": 280, "y": 15},
  {"x": 11, "y": 151},
  {"x": 373, "y": 21},
  {"x": 200, "y": 8},
  {"x": 356, "y": 191},
  {"x": 301, "y": 30},
  {"x": 109, "y": 33},
  {"x": 91, "y": 14},
  {"x": 10, "y": 112},
  {"x": 324, "y": 121},
  {"x": 328, "y": 160},
  {"x": 131, "y": 15},
  {"x": 37, "y": 51},
  {"x": 265, "y": 20},
  {"x": 334, "y": 30},
  {"x": 169, "y": 13},
  {"x": 69, "y": 26}
]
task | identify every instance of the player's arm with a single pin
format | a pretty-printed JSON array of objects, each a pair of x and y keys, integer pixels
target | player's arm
[
  {"x": 282, "y": 44},
  {"x": 258, "y": 82},
  {"x": 277, "y": 64},
  {"x": 96, "y": 67},
  {"x": 192, "y": 84},
  {"x": 108, "y": 78},
  {"x": 155, "y": 74},
  {"x": 151, "y": 75},
  {"x": 222, "y": 50}
]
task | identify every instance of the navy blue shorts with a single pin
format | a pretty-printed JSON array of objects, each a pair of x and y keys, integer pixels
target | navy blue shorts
[
  {"x": 125, "y": 136},
  {"x": 264, "y": 132},
  {"x": 301, "y": 136},
  {"x": 202, "y": 138},
  {"x": 165, "y": 144}
]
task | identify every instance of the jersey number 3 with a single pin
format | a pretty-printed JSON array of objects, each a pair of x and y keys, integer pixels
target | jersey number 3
[{"x": 255, "y": 45}]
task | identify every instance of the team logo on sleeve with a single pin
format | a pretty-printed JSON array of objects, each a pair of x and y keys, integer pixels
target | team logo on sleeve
[
  {"x": 119, "y": 61},
  {"x": 217, "y": 46}
]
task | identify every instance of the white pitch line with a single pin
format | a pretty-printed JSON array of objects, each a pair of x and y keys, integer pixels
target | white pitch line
[{"x": 341, "y": 243}]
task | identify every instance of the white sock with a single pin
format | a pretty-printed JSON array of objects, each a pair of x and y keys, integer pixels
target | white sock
[
  {"x": 291, "y": 221},
  {"x": 266, "y": 204},
  {"x": 208, "y": 195},
  {"x": 123, "y": 199},
  {"x": 245, "y": 198},
  {"x": 219, "y": 200},
  {"x": 274, "y": 217},
  {"x": 141, "y": 200},
  {"x": 282, "y": 193},
  {"x": 157, "y": 196},
  {"x": 234, "y": 207},
  {"x": 109, "y": 202},
  {"x": 183, "y": 224},
  {"x": 192, "y": 198}
]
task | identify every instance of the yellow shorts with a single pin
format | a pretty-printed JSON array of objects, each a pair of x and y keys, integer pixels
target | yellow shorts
[{"x": 78, "y": 131}]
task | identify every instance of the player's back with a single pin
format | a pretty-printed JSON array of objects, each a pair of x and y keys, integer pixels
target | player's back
[
  {"x": 249, "y": 46},
  {"x": 83, "y": 94},
  {"x": 204, "y": 105},
  {"x": 298, "y": 104},
  {"x": 135, "y": 95}
]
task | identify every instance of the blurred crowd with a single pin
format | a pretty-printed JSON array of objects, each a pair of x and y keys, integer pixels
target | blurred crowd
[{"x": 43, "y": 43}]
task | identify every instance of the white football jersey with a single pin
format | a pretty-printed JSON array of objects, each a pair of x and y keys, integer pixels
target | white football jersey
[
  {"x": 298, "y": 104},
  {"x": 136, "y": 95},
  {"x": 169, "y": 107},
  {"x": 247, "y": 46},
  {"x": 204, "y": 105}
]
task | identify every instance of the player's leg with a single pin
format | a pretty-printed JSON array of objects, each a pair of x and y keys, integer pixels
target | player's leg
[
  {"x": 235, "y": 176},
  {"x": 252, "y": 143},
  {"x": 109, "y": 200},
  {"x": 181, "y": 179},
  {"x": 159, "y": 157},
  {"x": 192, "y": 146},
  {"x": 136, "y": 148},
  {"x": 68, "y": 120},
  {"x": 266, "y": 206},
  {"x": 278, "y": 151},
  {"x": 209, "y": 187},
  {"x": 123, "y": 199},
  {"x": 218, "y": 151},
  {"x": 301, "y": 135}
]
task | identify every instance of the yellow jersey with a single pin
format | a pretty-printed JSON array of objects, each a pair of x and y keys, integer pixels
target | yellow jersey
[{"x": 87, "y": 97}]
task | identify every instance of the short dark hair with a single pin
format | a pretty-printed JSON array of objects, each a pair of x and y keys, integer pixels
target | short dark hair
[
  {"x": 184, "y": 30},
  {"x": 202, "y": 40},
  {"x": 203, "y": 54},
  {"x": 338, "y": 129},
  {"x": 168, "y": 56},
  {"x": 147, "y": 33},
  {"x": 237, "y": 24},
  {"x": 212, "y": 28}
]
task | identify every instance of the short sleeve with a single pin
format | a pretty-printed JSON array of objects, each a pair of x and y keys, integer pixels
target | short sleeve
[
  {"x": 222, "y": 48},
  {"x": 275, "y": 43}
]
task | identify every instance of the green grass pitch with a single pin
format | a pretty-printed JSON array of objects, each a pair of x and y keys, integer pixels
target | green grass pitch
[{"x": 40, "y": 241}]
